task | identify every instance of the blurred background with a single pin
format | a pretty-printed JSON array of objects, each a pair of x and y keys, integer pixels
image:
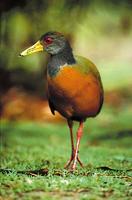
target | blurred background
[{"x": 98, "y": 29}]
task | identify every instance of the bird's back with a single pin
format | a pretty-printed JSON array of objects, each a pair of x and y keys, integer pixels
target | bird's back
[{"x": 76, "y": 91}]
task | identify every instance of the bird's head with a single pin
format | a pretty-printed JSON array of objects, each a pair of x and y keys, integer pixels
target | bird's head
[{"x": 52, "y": 42}]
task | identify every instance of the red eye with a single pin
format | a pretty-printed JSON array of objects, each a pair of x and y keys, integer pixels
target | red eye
[{"x": 48, "y": 40}]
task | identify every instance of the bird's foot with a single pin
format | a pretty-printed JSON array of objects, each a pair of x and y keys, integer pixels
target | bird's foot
[{"x": 71, "y": 164}]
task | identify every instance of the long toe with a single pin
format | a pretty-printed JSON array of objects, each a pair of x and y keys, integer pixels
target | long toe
[
  {"x": 67, "y": 165},
  {"x": 78, "y": 159}
]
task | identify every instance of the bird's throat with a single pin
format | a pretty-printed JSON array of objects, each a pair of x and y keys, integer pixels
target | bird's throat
[{"x": 57, "y": 61}]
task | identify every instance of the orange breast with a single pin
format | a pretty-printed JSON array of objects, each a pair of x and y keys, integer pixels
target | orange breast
[{"x": 75, "y": 94}]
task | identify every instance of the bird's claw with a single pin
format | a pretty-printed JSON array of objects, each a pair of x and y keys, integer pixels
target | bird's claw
[{"x": 71, "y": 164}]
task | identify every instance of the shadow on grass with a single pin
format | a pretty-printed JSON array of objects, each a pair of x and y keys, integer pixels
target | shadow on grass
[
  {"x": 118, "y": 135},
  {"x": 57, "y": 172}
]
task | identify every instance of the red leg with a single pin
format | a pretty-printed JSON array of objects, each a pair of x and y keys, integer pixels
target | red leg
[
  {"x": 79, "y": 135},
  {"x": 70, "y": 124}
]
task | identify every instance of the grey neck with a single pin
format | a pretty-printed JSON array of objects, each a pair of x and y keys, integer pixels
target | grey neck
[{"x": 59, "y": 60}]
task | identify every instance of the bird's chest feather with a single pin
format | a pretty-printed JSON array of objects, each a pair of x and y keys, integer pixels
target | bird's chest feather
[
  {"x": 66, "y": 83},
  {"x": 70, "y": 83},
  {"x": 74, "y": 93}
]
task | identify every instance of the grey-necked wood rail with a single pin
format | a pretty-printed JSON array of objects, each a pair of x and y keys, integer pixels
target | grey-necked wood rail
[{"x": 74, "y": 85}]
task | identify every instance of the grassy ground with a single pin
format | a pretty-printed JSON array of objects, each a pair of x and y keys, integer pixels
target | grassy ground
[{"x": 33, "y": 156}]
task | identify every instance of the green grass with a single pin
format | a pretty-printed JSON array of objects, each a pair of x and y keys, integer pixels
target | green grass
[{"x": 105, "y": 150}]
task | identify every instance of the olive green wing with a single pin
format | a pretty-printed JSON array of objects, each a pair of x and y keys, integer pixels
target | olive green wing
[{"x": 86, "y": 66}]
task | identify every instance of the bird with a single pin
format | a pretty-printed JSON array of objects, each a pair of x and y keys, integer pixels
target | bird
[{"x": 74, "y": 86}]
